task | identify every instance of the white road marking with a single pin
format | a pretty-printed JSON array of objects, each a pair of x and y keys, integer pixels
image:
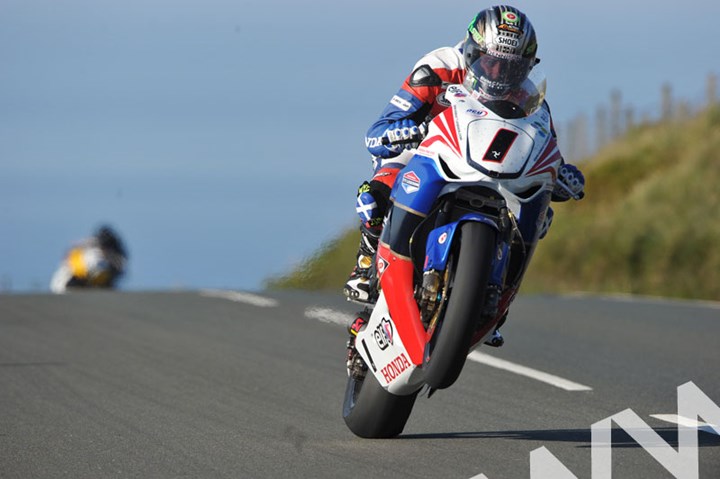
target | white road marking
[
  {"x": 327, "y": 315},
  {"x": 687, "y": 422},
  {"x": 551, "y": 379},
  {"x": 479, "y": 476},
  {"x": 240, "y": 297},
  {"x": 633, "y": 298}
]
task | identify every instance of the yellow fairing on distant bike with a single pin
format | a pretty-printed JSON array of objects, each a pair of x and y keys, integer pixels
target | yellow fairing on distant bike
[{"x": 76, "y": 260}]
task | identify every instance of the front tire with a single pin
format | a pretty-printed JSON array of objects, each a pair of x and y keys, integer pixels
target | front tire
[
  {"x": 445, "y": 358},
  {"x": 372, "y": 412}
]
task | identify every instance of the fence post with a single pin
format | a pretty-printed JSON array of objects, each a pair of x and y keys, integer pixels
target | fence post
[
  {"x": 667, "y": 104},
  {"x": 600, "y": 128},
  {"x": 711, "y": 89},
  {"x": 629, "y": 118},
  {"x": 615, "y": 108}
]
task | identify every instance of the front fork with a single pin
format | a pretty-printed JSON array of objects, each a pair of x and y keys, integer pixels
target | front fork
[{"x": 435, "y": 271}]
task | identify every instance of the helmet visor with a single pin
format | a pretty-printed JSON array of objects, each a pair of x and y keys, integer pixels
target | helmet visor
[{"x": 497, "y": 73}]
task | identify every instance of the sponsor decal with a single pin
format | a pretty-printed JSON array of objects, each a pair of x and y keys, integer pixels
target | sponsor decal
[
  {"x": 477, "y": 36},
  {"x": 542, "y": 131},
  {"x": 395, "y": 368},
  {"x": 441, "y": 100},
  {"x": 357, "y": 325},
  {"x": 456, "y": 92},
  {"x": 373, "y": 142},
  {"x": 508, "y": 41},
  {"x": 425, "y": 152},
  {"x": 477, "y": 113},
  {"x": 510, "y": 17},
  {"x": 504, "y": 27},
  {"x": 382, "y": 265},
  {"x": 383, "y": 334},
  {"x": 404, "y": 105},
  {"x": 443, "y": 238},
  {"x": 410, "y": 182}
]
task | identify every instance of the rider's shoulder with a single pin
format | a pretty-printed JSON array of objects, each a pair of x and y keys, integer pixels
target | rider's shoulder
[{"x": 449, "y": 58}]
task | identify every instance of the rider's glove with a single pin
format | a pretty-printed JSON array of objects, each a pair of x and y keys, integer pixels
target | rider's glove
[
  {"x": 569, "y": 184},
  {"x": 402, "y": 131}
]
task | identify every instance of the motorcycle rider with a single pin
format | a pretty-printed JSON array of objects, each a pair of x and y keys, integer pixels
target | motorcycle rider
[
  {"x": 96, "y": 262},
  {"x": 493, "y": 60}
]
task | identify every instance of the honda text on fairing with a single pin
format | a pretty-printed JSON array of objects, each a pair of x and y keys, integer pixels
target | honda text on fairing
[{"x": 467, "y": 213}]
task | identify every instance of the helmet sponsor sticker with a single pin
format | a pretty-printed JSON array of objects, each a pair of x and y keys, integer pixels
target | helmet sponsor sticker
[
  {"x": 507, "y": 41},
  {"x": 510, "y": 17},
  {"x": 410, "y": 182},
  {"x": 504, "y": 27}
]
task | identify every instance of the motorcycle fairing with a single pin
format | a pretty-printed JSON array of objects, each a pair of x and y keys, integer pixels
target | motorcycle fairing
[
  {"x": 440, "y": 240},
  {"x": 490, "y": 142},
  {"x": 418, "y": 185},
  {"x": 382, "y": 345},
  {"x": 398, "y": 293}
]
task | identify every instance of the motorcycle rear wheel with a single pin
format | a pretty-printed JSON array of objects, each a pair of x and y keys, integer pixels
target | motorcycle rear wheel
[
  {"x": 448, "y": 350},
  {"x": 372, "y": 412}
]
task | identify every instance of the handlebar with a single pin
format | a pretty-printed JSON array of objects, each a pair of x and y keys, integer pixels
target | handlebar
[{"x": 565, "y": 187}]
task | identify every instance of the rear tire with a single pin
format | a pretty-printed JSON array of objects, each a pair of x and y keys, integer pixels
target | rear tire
[
  {"x": 372, "y": 412},
  {"x": 449, "y": 348}
]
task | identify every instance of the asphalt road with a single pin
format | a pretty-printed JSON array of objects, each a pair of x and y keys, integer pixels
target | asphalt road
[{"x": 191, "y": 384}]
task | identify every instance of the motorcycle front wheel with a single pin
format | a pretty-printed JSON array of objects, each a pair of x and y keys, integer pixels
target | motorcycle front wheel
[
  {"x": 470, "y": 269},
  {"x": 372, "y": 412}
]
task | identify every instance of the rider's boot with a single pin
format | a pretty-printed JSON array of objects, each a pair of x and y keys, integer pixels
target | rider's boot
[
  {"x": 496, "y": 339},
  {"x": 358, "y": 286}
]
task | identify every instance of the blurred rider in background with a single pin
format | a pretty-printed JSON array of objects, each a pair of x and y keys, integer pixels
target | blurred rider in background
[
  {"x": 492, "y": 62},
  {"x": 95, "y": 262}
]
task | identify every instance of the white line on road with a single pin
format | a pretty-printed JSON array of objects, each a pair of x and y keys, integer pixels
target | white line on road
[
  {"x": 327, "y": 315},
  {"x": 687, "y": 422},
  {"x": 240, "y": 297},
  {"x": 551, "y": 379}
]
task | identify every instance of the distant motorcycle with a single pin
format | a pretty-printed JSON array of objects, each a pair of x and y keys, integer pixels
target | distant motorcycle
[
  {"x": 97, "y": 262},
  {"x": 466, "y": 218}
]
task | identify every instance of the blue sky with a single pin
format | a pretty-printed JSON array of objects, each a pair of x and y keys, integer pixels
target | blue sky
[{"x": 224, "y": 139}]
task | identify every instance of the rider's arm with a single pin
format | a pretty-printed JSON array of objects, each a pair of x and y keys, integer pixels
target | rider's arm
[{"x": 417, "y": 97}]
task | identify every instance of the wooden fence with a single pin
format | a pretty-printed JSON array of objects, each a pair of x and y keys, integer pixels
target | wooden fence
[{"x": 582, "y": 136}]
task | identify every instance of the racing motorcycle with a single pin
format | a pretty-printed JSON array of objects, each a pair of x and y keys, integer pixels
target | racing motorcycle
[
  {"x": 467, "y": 212},
  {"x": 87, "y": 266}
]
